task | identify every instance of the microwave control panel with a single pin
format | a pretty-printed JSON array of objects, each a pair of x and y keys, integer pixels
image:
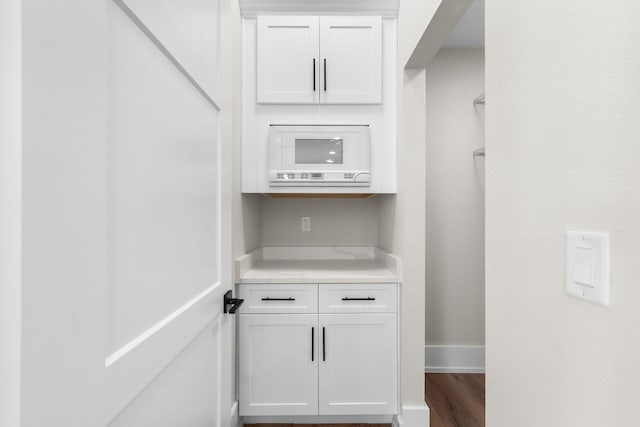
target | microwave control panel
[{"x": 319, "y": 178}]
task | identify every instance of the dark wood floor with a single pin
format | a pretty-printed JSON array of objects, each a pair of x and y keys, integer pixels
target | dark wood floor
[{"x": 455, "y": 400}]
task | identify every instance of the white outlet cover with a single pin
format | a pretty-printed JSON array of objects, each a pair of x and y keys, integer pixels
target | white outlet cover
[{"x": 587, "y": 266}]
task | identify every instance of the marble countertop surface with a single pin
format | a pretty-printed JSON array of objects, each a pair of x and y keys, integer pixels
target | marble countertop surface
[{"x": 318, "y": 265}]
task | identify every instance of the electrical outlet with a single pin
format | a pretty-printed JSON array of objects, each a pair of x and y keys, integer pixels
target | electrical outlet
[{"x": 305, "y": 223}]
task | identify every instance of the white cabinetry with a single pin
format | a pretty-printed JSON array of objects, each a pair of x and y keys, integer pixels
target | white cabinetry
[
  {"x": 358, "y": 367},
  {"x": 328, "y": 60},
  {"x": 351, "y": 58},
  {"x": 340, "y": 360},
  {"x": 278, "y": 77},
  {"x": 277, "y": 349},
  {"x": 278, "y": 364},
  {"x": 288, "y": 59}
]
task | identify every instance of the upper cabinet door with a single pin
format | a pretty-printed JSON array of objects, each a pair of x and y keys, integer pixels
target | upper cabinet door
[
  {"x": 288, "y": 63},
  {"x": 351, "y": 59}
]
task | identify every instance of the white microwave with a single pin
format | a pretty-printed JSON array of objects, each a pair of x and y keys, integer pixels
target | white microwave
[{"x": 319, "y": 155}]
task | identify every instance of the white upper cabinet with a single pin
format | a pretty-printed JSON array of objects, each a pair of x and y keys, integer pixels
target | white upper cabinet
[
  {"x": 351, "y": 55},
  {"x": 328, "y": 59},
  {"x": 283, "y": 83},
  {"x": 288, "y": 59}
]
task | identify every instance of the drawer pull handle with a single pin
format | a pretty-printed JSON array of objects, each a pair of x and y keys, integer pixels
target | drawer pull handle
[
  {"x": 358, "y": 299},
  {"x": 278, "y": 299}
]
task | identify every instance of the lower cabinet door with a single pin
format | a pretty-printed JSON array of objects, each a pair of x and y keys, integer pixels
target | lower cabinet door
[
  {"x": 358, "y": 364},
  {"x": 278, "y": 364}
]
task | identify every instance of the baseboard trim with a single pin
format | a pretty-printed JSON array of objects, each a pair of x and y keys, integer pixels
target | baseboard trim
[
  {"x": 412, "y": 416},
  {"x": 462, "y": 359}
]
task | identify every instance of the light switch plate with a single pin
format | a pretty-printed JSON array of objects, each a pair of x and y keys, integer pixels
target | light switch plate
[{"x": 587, "y": 266}]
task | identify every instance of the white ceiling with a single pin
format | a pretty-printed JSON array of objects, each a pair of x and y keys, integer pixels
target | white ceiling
[{"x": 469, "y": 32}]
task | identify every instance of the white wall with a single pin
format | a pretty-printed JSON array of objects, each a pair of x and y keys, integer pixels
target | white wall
[
  {"x": 334, "y": 222},
  {"x": 401, "y": 225},
  {"x": 414, "y": 16},
  {"x": 410, "y": 217},
  {"x": 401, "y": 230},
  {"x": 10, "y": 210},
  {"x": 455, "y": 199},
  {"x": 245, "y": 217},
  {"x": 563, "y": 152},
  {"x": 388, "y": 235}
]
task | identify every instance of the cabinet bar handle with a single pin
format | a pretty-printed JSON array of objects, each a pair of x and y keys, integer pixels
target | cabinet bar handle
[
  {"x": 325, "y": 74},
  {"x": 324, "y": 356},
  {"x": 358, "y": 299},
  {"x": 314, "y": 74},
  {"x": 278, "y": 299},
  {"x": 312, "y": 342}
]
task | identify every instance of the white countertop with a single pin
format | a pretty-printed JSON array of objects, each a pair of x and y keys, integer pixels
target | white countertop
[{"x": 318, "y": 265}]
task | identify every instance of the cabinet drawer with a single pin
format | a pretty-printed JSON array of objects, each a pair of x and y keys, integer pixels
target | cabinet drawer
[
  {"x": 357, "y": 298},
  {"x": 289, "y": 298}
]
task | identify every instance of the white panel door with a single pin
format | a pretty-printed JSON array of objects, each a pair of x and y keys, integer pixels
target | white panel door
[
  {"x": 287, "y": 63},
  {"x": 278, "y": 364},
  {"x": 351, "y": 59},
  {"x": 358, "y": 364},
  {"x": 125, "y": 213},
  {"x": 168, "y": 341}
]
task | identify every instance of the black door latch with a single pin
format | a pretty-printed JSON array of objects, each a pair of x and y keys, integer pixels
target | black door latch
[{"x": 233, "y": 302}]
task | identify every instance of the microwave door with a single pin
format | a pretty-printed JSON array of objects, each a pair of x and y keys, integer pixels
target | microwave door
[{"x": 319, "y": 152}]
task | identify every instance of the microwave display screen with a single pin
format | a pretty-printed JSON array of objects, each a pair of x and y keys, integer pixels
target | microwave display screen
[{"x": 319, "y": 151}]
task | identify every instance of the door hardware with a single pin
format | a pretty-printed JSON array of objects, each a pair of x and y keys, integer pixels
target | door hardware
[
  {"x": 325, "y": 74},
  {"x": 233, "y": 302},
  {"x": 324, "y": 355}
]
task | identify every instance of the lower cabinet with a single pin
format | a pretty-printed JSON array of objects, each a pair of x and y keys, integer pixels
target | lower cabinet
[
  {"x": 278, "y": 364},
  {"x": 325, "y": 363},
  {"x": 358, "y": 368}
]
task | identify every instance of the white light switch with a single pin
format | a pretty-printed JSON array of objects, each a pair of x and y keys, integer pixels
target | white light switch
[
  {"x": 587, "y": 266},
  {"x": 583, "y": 266}
]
